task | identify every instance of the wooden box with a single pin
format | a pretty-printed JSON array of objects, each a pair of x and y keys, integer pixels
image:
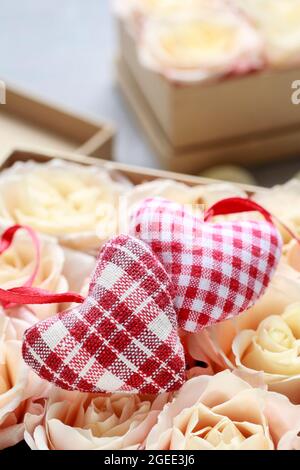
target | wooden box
[
  {"x": 26, "y": 120},
  {"x": 238, "y": 120},
  {"x": 135, "y": 174}
]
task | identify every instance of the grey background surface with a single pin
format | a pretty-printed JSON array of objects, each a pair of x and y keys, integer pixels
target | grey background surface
[{"x": 64, "y": 50}]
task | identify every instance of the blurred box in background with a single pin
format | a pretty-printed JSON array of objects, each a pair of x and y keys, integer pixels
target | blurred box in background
[
  {"x": 243, "y": 119},
  {"x": 28, "y": 121}
]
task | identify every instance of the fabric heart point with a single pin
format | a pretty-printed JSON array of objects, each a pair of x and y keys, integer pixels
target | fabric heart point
[{"x": 123, "y": 337}]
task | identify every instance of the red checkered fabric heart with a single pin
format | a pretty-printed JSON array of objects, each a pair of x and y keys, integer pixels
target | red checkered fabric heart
[
  {"x": 123, "y": 337},
  {"x": 218, "y": 270}
]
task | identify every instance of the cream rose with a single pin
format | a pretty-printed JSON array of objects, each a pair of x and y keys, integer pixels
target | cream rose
[
  {"x": 262, "y": 344},
  {"x": 77, "y": 421},
  {"x": 129, "y": 8},
  {"x": 283, "y": 201},
  {"x": 78, "y": 205},
  {"x": 274, "y": 348},
  {"x": 284, "y": 421},
  {"x": 197, "y": 362},
  {"x": 162, "y": 8},
  {"x": 292, "y": 255},
  {"x": 60, "y": 269},
  {"x": 168, "y": 189},
  {"x": 195, "y": 198},
  {"x": 17, "y": 383},
  {"x": 200, "y": 44},
  {"x": 278, "y": 22},
  {"x": 223, "y": 412}
]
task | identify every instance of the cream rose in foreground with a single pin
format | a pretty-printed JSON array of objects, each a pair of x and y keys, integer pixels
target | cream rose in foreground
[
  {"x": 60, "y": 269},
  {"x": 284, "y": 421},
  {"x": 274, "y": 348},
  {"x": 200, "y": 44},
  {"x": 263, "y": 343},
  {"x": 223, "y": 412},
  {"x": 17, "y": 383},
  {"x": 78, "y": 205},
  {"x": 73, "y": 420}
]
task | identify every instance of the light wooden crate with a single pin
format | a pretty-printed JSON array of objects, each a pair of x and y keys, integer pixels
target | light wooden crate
[
  {"x": 135, "y": 174},
  {"x": 28, "y": 120}
]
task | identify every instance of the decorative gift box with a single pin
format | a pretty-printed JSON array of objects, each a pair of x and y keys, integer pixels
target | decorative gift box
[
  {"x": 182, "y": 334},
  {"x": 26, "y": 120},
  {"x": 195, "y": 120}
]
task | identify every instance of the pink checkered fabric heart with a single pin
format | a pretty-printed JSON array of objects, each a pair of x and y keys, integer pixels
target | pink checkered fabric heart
[
  {"x": 123, "y": 337},
  {"x": 218, "y": 269}
]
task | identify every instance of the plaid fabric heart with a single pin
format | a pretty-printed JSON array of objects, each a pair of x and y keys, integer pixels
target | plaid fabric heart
[
  {"x": 218, "y": 269},
  {"x": 123, "y": 337}
]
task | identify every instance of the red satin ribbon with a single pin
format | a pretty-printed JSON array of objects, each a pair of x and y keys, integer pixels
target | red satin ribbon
[
  {"x": 234, "y": 205},
  {"x": 33, "y": 295},
  {"x": 28, "y": 294}
]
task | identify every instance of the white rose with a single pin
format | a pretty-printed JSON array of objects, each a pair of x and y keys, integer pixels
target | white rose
[
  {"x": 78, "y": 205},
  {"x": 200, "y": 44},
  {"x": 196, "y": 198},
  {"x": 60, "y": 270},
  {"x": 278, "y": 22},
  {"x": 81, "y": 421},
  {"x": 283, "y": 201},
  {"x": 17, "y": 383},
  {"x": 161, "y": 8}
]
